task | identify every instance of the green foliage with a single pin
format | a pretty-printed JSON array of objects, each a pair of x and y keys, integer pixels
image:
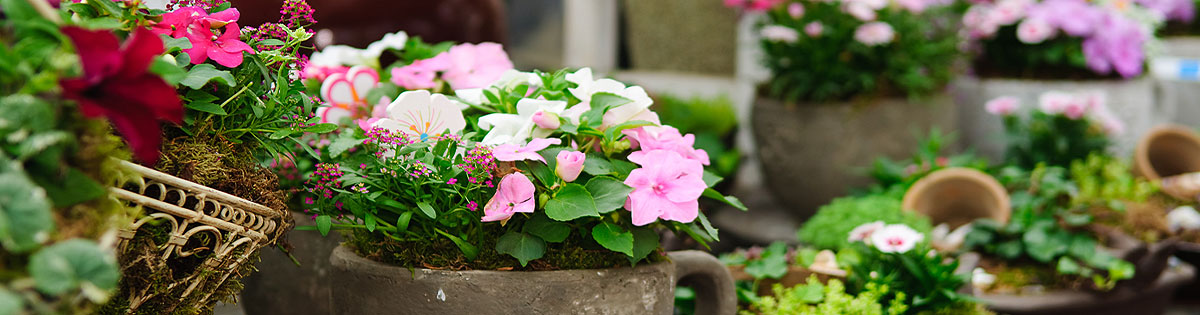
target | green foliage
[
  {"x": 829, "y": 228},
  {"x": 1056, "y": 58},
  {"x": 1045, "y": 227},
  {"x": 834, "y": 66},
  {"x": 815, "y": 298},
  {"x": 713, "y": 121},
  {"x": 1053, "y": 139},
  {"x": 898, "y": 176},
  {"x": 919, "y": 279},
  {"x": 1108, "y": 181}
]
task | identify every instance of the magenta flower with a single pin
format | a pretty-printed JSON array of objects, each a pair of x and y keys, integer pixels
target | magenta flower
[
  {"x": 651, "y": 138},
  {"x": 569, "y": 164},
  {"x": 116, "y": 84},
  {"x": 667, "y": 187},
  {"x": 546, "y": 120},
  {"x": 476, "y": 65},
  {"x": 514, "y": 195},
  {"x": 513, "y": 152},
  {"x": 197, "y": 26}
]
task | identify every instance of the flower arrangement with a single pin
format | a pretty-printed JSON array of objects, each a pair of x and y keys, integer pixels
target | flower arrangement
[
  {"x": 1065, "y": 127},
  {"x": 897, "y": 256},
  {"x": 1060, "y": 38},
  {"x": 533, "y": 166},
  {"x": 834, "y": 50}
]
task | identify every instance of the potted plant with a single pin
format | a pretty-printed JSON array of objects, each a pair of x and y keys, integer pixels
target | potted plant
[
  {"x": 58, "y": 164},
  {"x": 839, "y": 94},
  {"x": 1024, "y": 48},
  {"x": 207, "y": 205},
  {"x": 527, "y": 195}
]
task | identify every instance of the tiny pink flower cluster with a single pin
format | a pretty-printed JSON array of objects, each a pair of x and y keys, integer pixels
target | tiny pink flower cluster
[
  {"x": 1073, "y": 106},
  {"x": 479, "y": 164},
  {"x": 325, "y": 179}
]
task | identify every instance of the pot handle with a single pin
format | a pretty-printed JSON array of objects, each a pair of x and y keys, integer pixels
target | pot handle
[{"x": 709, "y": 278}]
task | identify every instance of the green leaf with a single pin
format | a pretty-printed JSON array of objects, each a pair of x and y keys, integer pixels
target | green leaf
[
  {"x": 168, "y": 71},
  {"x": 321, "y": 128},
  {"x": 75, "y": 188},
  {"x": 729, "y": 200},
  {"x": 645, "y": 241},
  {"x": 711, "y": 179},
  {"x": 547, "y": 229},
  {"x": 468, "y": 250},
  {"x": 324, "y": 223},
  {"x": 708, "y": 227},
  {"x": 522, "y": 246},
  {"x": 172, "y": 44},
  {"x": 370, "y": 222},
  {"x": 280, "y": 134},
  {"x": 772, "y": 264},
  {"x": 402, "y": 222},
  {"x": 596, "y": 165},
  {"x": 68, "y": 265},
  {"x": 622, "y": 167},
  {"x": 201, "y": 74},
  {"x": 572, "y": 201},
  {"x": 271, "y": 42},
  {"x": 601, "y": 103},
  {"x": 542, "y": 172},
  {"x": 10, "y": 303},
  {"x": 1066, "y": 265},
  {"x": 427, "y": 209},
  {"x": 609, "y": 193},
  {"x": 25, "y": 217},
  {"x": 341, "y": 144},
  {"x": 207, "y": 108},
  {"x": 612, "y": 133},
  {"x": 614, "y": 238}
]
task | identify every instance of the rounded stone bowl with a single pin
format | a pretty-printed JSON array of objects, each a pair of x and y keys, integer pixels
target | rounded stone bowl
[{"x": 364, "y": 286}]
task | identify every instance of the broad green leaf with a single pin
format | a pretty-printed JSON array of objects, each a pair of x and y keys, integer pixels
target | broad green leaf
[
  {"x": 341, "y": 144},
  {"x": 324, "y": 223},
  {"x": 645, "y": 241},
  {"x": 203, "y": 73},
  {"x": 772, "y": 264},
  {"x": 609, "y": 193},
  {"x": 1066, "y": 265},
  {"x": 207, "y": 108},
  {"x": 711, "y": 179},
  {"x": 549, "y": 230},
  {"x": 10, "y": 303},
  {"x": 622, "y": 167},
  {"x": 572, "y": 201},
  {"x": 402, "y": 222},
  {"x": 75, "y": 188},
  {"x": 543, "y": 173},
  {"x": 427, "y": 209},
  {"x": 321, "y": 128},
  {"x": 729, "y": 200},
  {"x": 613, "y": 237},
  {"x": 25, "y": 217},
  {"x": 168, "y": 71},
  {"x": 280, "y": 134},
  {"x": 468, "y": 250},
  {"x": 597, "y": 165},
  {"x": 67, "y": 265},
  {"x": 708, "y": 227},
  {"x": 601, "y": 103},
  {"x": 370, "y": 222},
  {"x": 522, "y": 246},
  {"x": 172, "y": 44}
]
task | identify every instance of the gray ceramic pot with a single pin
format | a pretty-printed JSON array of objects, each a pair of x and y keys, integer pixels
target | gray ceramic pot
[
  {"x": 812, "y": 153},
  {"x": 282, "y": 287},
  {"x": 364, "y": 286},
  {"x": 1133, "y": 101}
]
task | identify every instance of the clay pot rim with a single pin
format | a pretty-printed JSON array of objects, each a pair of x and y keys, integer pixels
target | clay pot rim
[
  {"x": 353, "y": 258},
  {"x": 970, "y": 174},
  {"x": 1141, "y": 154}
]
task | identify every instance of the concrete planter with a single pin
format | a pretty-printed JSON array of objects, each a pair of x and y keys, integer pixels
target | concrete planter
[
  {"x": 811, "y": 153},
  {"x": 282, "y": 287},
  {"x": 1182, "y": 95},
  {"x": 363, "y": 286},
  {"x": 1133, "y": 101},
  {"x": 681, "y": 36}
]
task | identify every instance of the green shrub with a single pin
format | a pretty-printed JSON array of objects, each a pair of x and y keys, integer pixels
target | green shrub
[{"x": 815, "y": 298}]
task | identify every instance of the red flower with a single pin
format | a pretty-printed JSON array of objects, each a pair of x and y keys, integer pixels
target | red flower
[{"x": 115, "y": 84}]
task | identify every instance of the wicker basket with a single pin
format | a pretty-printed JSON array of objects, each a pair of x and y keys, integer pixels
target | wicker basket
[{"x": 232, "y": 229}]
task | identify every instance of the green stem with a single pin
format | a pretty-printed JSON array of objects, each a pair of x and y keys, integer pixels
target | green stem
[{"x": 44, "y": 8}]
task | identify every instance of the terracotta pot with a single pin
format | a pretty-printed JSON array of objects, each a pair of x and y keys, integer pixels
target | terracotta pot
[
  {"x": 957, "y": 196},
  {"x": 364, "y": 286},
  {"x": 812, "y": 153},
  {"x": 1167, "y": 150},
  {"x": 1133, "y": 101},
  {"x": 282, "y": 287}
]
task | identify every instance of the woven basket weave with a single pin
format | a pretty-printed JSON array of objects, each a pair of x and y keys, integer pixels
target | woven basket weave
[{"x": 233, "y": 230}]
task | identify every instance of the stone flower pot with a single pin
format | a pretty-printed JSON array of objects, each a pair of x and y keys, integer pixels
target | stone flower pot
[
  {"x": 364, "y": 286},
  {"x": 1133, "y": 101},
  {"x": 812, "y": 153},
  {"x": 282, "y": 287},
  {"x": 957, "y": 196}
]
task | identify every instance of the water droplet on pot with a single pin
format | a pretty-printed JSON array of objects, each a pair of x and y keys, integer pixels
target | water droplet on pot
[{"x": 441, "y": 296}]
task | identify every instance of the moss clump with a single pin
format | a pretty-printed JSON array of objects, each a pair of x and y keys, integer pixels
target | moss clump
[
  {"x": 1012, "y": 277},
  {"x": 572, "y": 253},
  {"x": 829, "y": 228}
]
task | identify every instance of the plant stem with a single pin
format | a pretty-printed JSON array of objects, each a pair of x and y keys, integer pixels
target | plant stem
[{"x": 43, "y": 7}]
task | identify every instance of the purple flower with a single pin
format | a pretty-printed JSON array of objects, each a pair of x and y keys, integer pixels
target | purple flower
[
  {"x": 1074, "y": 17},
  {"x": 513, "y": 152},
  {"x": 1119, "y": 47}
]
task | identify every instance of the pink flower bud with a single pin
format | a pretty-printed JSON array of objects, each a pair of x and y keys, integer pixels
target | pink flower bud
[
  {"x": 546, "y": 120},
  {"x": 570, "y": 163}
]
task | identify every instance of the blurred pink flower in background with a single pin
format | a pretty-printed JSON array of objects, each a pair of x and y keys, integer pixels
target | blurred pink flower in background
[
  {"x": 874, "y": 34},
  {"x": 1004, "y": 105},
  {"x": 814, "y": 29},
  {"x": 475, "y": 65},
  {"x": 779, "y": 33}
]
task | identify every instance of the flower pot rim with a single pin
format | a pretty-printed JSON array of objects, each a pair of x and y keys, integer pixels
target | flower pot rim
[
  {"x": 980, "y": 79},
  {"x": 988, "y": 182},
  {"x": 1062, "y": 298},
  {"x": 352, "y": 257},
  {"x": 1141, "y": 157}
]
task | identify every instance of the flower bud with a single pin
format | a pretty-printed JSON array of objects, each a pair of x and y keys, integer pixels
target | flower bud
[
  {"x": 546, "y": 120},
  {"x": 569, "y": 164}
]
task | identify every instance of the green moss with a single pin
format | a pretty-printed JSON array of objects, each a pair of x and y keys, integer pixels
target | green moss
[
  {"x": 831, "y": 226},
  {"x": 572, "y": 253}
]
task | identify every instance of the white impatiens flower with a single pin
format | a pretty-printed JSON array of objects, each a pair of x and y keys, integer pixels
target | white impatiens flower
[
  {"x": 1183, "y": 218},
  {"x": 508, "y": 80},
  {"x": 419, "y": 113},
  {"x": 863, "y": 231},
  {"x": 637, "y": 109},
  {"x": 520, "y": 127},
  {"x": 342, "y": 55},
  {"x": 948, "y": 241},
  {"x": 395, "y": 41},
  {"x": 896, "y": 238}
]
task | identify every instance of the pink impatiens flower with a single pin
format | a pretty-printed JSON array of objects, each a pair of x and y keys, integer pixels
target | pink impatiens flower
[
  {"x": 1003, "y": 106},
  {"x": 515, "y": 194},
  {"x": 651, "y": 138},
  {"x": 476, "y": 65},
  {"x": 513, "y": 152},
  {"x": 667, "y": 187},
  {"x": 568, "y": 164},
  {"x": 420, "y": 74}
]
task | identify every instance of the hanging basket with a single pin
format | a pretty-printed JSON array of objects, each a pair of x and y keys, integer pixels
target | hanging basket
[{"x": 197, "y": 238}]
